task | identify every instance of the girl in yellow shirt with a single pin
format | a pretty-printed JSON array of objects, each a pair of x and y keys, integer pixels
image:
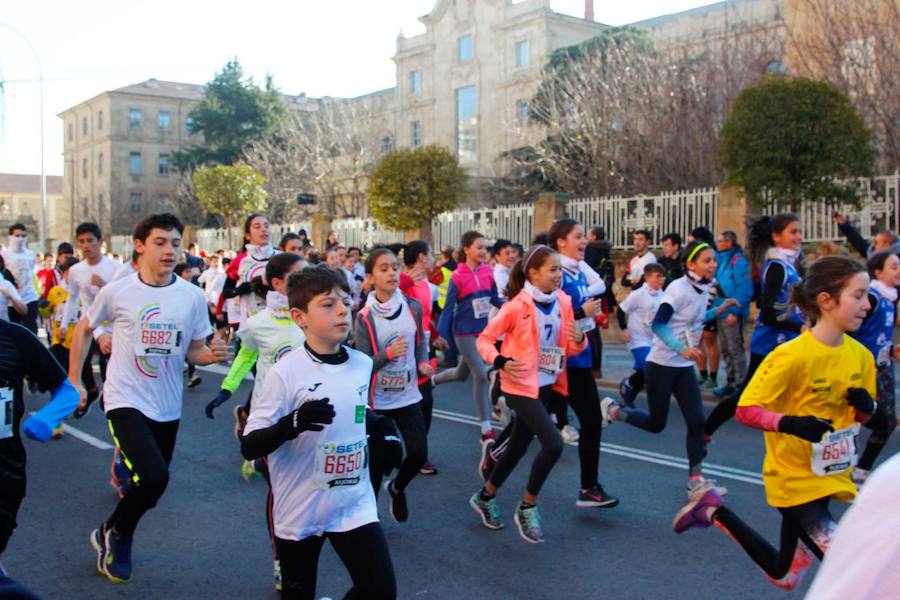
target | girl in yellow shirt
[{"x": 809, "y": 396}]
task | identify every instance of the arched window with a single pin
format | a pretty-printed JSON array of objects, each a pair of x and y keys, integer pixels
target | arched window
[{"x": 387, "y": 143}]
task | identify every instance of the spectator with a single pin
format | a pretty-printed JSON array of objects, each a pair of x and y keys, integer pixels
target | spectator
[
  {"x": 634, "y": 274},
  {"x": 331, "y": 241},
  {"x": 884, "y": 240},
  {"x": 48, "y": 277},
  {"x": 290, "y": 242},
  {"x": 733, "y": 275},
  {"x": 304, "y": 238},
  {"x": 671, "y": 258}
]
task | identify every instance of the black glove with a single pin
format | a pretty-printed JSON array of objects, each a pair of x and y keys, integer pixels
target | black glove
[
  {"x": 311, "y": 416},
  {"x": 861, "y": 400},
  {"x": 383, "y": 434},
  {"x": 244, "y": 288},
  {"x": 808, "y": 428},
  {"x": 221, "y": 398}
]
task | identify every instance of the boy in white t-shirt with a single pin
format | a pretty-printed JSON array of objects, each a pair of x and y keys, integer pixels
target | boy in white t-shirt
[
  {"x": 310, "y": 421},
  {"x": 158, "y": 321},
  {"x": 635, "y": 314}
]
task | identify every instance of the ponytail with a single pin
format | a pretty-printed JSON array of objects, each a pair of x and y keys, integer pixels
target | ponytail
[
  {"x": 760, "y": 230},
  {"x": 533, "y": 259}
]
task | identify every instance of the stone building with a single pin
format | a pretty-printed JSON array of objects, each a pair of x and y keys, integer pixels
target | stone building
[{"x": 20, "y": 202}]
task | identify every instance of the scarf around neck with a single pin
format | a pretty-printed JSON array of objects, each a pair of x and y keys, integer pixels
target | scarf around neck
[
  {"x": 538, "y": 295},
  {"x": 701, "y": 284},
  {"x": 571, "y": 265},
  {"x": 885, "y": 290},
  {"x": 277, "y": 303},
  {"x": 259, "y": 252},
  {"x": 385, "y": 309},
  {"x": 783, "y": 254}
]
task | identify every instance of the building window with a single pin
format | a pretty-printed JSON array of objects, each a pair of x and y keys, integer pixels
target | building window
[
  {"x": 135, "y": 202},
  {"x": 415, "y": 82},
  {"x": 71, "y": 132},
  {"x": 467, "y": 125},
  {"x": 134, "y": 118},
  {"x": 100, "y": 164},
  {"x": 101, "y": 209},
  {"x": 134, "y": 163},
  {"x": 85, "y": 205},
  {"x": 387, "y": 144},
  {"x": 162, "y": 120},
  {"x": 84, "y": 129},
  {"x": 99, "y": 119},
  {"x": 163, "y": 165},
  {"x": 521, "y": 113},
  {"x": 464, "y": 48},
  {"x": 84, "y": 168},
  {"x": 415, "y": 134},
  {"x": 189, "y": 122},
  {"x": 775, "y": 67},
  {"x": 522, "y": 53}
]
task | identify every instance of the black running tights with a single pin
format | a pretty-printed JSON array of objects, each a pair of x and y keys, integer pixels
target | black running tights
[
  {"x": 726, "y": 408},
  {"x": 410, "y": 423}
]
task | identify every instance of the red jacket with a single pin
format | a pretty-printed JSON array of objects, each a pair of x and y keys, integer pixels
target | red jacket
[{"x": 517, "y": 321}]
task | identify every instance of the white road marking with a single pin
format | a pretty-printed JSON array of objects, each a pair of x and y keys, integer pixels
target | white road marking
[
  {"x": 676, "y": 462},
  {"x": 86, "y": 437}
]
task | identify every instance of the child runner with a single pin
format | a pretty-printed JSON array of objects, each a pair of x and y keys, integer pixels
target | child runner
[
  {"x": 389, "y": 329},
  {"x": 471, "y": 293},
  {"x": 635, "y": 316},
  {"x": 808, "y": 396},
  {"x": 158, "y": 320},
  {"x": 877, "y": 334},
  {"x": 678, "y": 326},
  {"x": 309, "y": 420},
  {"x": 777, "y": 241},
  {"x": 539, "y": 332}
]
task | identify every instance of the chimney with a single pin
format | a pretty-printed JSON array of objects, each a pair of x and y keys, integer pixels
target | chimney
[{"x": 588, "y": 10}]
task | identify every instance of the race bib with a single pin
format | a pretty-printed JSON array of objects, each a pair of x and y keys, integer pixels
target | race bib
[
  {"x": 481, "y": 307},
  {"x": 551, "y": 360},
  {"x": 157, "y": 337},
  {"x": 393, "y": 378},
  {"x": 836, "y": 452},
  {"x": 6, "y": 413},
  {"x": 340, "y": 464},
  {"x": 587, "y": 324}
]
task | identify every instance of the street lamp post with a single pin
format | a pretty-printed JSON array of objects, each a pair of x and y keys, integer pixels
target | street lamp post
[{"x": 43, "y": 228}]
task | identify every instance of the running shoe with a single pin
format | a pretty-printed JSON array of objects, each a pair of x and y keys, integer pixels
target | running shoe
[
  {"x": 92, "y": 395},
  {"x": 626, "y": 392},
  {"x": 98, "y": 541},
  {"x": 248, "y": 470},
  {"x": 487, "y": 510},
  {"x": 57, "y": 432},
  {"x": 698, "y": 512},
  {"x": 596, "y": 497},
  {"x": 696, "y": 486},
  {"x": 487, "y": 464},
  {"x": 528, "y": 521},
  {"x": 725, "y": 390},
  {"x": 399, "y": 510},
  {"x": 117, "y": 565},
  {"x": 569, "y": 435},
  {"x": 709, "y": 385},
  {"x": 194, "y": 382},
  {"x": 277, "y": 570},
  {"x": 240, "y": 421},
  {"x": 429, "y": 468},
  {"x": 606, "y": 410}
]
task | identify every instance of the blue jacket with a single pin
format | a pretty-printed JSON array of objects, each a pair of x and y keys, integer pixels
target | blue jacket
[{"x": 733, "y": 275}]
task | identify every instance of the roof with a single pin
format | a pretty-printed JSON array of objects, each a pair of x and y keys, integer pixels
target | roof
[
  {"x": 163, "y": 89},
  {"x": 663, "y": 19},
  {"x": 29, "y": 184}
]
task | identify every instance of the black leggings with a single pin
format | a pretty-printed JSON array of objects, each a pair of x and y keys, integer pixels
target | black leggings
[
  {"x": 726, "y": 408},
  {"x": 662, "y": 383},
  {"x": 411, "y": 423},
  {"x": 427, "y": 391},
  {"x": 531, "y": 420},
  {"x": 884, "y": 421},
  {"x": 363, "y": 551},
  {"x": 810, "y": 522},
  {"x": 146, "y": 447},
  {"x": 585, "y": 401}
]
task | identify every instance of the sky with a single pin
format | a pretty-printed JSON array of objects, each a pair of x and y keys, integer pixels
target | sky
[{"x": 321, "y": 48}]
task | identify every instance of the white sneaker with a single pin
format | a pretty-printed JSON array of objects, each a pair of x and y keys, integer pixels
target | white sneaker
[
  {"x": 606, "y": 406},
  {"x": 697, "y": 486},
  {"x": 570, "y": 435}
]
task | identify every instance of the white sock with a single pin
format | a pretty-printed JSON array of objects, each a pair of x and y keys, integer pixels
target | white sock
[{"x": 486, "y": 427}]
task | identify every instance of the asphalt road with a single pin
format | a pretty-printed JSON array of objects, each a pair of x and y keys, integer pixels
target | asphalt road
[{"x": 207, "y": 537}]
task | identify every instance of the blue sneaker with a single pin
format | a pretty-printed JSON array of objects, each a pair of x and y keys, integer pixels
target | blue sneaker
[
  {"x": 529, "y": 522},
  {"x": 117, "y": 565},
  {"x": 487, "y": 510},
  {"x": 626, "y": 392}
]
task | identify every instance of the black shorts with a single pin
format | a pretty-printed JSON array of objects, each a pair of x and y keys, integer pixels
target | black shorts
[{"x": 711, "y": 326}]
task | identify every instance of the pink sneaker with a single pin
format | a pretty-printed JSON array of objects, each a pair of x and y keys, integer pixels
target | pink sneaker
[{"x": 695, "y": 513}]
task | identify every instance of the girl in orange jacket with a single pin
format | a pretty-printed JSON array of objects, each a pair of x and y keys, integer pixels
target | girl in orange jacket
[{"x": 539, "y": 331}]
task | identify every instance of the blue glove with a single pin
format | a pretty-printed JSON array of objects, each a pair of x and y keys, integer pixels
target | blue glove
[
  {"x": 37, "y": 429},
  {"x": 221, "y": 398}
]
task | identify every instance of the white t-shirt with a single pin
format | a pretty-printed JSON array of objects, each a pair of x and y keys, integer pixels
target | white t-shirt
[
  {"x": 641, "y": 306},
  {"x": 152, "y": 328},
  {"x": 81, "y": 291},
  {"x": 637, "y": 264},
  {"x": 320, "y": 479},
  {"x": 551, "y": 355},
  {"x": 124, "y": 271},
  {"x": 273, "y": 338},
  {"x": 7, "y": 287},
  {"x": 861, "y": 561},
  {"x": 501, "y": 278},
  {"x": 21, "y": 265},
  {"x": 397, "y": 383},
  {"x": 213, "y": 282},
  {"x": 686, "y": 322}
]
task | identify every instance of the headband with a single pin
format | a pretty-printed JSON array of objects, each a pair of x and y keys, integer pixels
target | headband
[
  {"x": 696, "y": 250},
  {"x": 530, "y": 255}
]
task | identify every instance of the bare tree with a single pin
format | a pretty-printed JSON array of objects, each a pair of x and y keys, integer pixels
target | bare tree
[
  {"x": 856, "y": 46},
  {"x": 329, "y": 152}
]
